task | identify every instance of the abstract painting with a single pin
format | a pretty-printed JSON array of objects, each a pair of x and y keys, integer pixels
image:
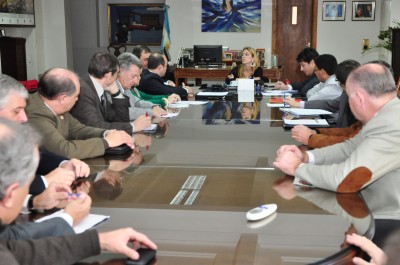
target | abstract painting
[{"x": 231, "y": 16}]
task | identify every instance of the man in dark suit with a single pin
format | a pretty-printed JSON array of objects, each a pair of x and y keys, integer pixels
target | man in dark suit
[
  {"x": 53, "y": 177},
  {"x": 152, "y": 82},
  {"x": 306, "y": 61},
  {"x": 100, "y": 103},
  {"x": 13, "y": 189}
]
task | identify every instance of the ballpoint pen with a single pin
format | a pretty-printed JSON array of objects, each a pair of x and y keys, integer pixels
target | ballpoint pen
[{"x": 147, "y": 146}]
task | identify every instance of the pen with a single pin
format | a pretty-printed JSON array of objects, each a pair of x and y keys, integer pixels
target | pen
[
  {"x": 284, "y": 98},
  {"x": 147, "y": 146},
  {"x": 71, "y": 194}
]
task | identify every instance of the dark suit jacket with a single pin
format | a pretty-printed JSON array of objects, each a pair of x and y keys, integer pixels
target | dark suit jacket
[
  {"x": 303, "y": 87},
  {"x": 51, "y": 250},
  {"x": 47, "y": 163},
  {"x": 339, "y": 104},
  {"x": 258, "y": 72},
  {"x": 88, "y": 109},
  {"x": 30, "y": 230},
  {"x": 153, "y": 84}
]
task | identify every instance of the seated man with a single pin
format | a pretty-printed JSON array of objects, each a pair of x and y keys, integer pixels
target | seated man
[
  {"x": 339, "y": 105},
  {"x": 142, "y": 52},
  {"x": 352, "y": 165},
  {"x": 328, "y": 88},
  {"x": 48, "y": 111},
  {"x": 100, "y": 103},
  {"x": 15, "y": 178},
  {"x": 53, "y": 174},
  {"x": 130, "y": 70},
  {"x": 307, "y": 65},
  {"x": 152, "y": 82}
]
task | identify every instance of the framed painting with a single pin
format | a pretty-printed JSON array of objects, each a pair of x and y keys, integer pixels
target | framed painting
[
  {"x": 363, "y": 11},
  {"x": 17, "y": 13},
  {"x": 134, "y": 24},
  {"x": 227, "y": 56},
  {"x": 333, "y": 11},
  {"x": 231, "y": 16}
]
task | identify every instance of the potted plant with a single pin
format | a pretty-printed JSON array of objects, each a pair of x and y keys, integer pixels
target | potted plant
[{"x": 385, "y": 38}]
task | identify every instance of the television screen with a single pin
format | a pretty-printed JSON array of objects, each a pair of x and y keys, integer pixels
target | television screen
[{"x": 207, "y": 54}]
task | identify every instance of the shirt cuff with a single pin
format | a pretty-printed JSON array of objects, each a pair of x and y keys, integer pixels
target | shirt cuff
[
  {"x": 302, "y": 103},
  {"x": 311, "y": 158},
  {"x": 45, "y": 183},
  {"x": 68, "y": 218},
  {"x": 25, "y": 209},
  {"x": 289, "y": 87}
]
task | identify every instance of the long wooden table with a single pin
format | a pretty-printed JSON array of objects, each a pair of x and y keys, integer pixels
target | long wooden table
[{"x": 274, "y": 74}]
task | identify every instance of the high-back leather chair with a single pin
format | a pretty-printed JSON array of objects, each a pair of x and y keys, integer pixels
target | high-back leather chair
[{"x": 116, "y": 49}]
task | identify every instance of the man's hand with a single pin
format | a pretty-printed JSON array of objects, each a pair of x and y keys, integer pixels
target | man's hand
[
  {"x": 56, "y": 195},
  {"x": 378, "y": 257},
  {"x": 170, "y": 83},
  {"x": 60, "y": 175},
  {"x": 288, "y": 162},
  {"x": 79, "y": 207},
  {"x": 173, "y": 98},
  {"x": 281, "y": 86},
  {"x": 292, "y": 102},
  {"x": 116, "y": 138},
  {"x": 80, "y": 168},
  {"x": 302, "y": 133},
  {"x": 142, "y": 122},
  {"x": 157, "y": 111},
  {"x": 113, "y": 88},
  {"x": 117, "y": 241}
]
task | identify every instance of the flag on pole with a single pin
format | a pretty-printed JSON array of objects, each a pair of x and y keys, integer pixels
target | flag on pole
[{"x": 166, "y": 39}]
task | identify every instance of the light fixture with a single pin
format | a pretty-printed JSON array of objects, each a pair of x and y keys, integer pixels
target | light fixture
[{"x": 294, "y": 15}]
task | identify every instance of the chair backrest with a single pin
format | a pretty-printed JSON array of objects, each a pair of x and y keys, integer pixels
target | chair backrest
[{"x": 116, "y": 49}]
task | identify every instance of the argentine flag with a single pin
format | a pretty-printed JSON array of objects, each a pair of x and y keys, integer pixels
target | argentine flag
[{"x": 166, "y": 39}]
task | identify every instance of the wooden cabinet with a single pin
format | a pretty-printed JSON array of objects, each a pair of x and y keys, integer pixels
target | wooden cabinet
[{"x": 13, "y": 57}]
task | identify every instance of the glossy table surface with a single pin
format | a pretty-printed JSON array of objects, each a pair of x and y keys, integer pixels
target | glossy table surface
[{"x": 206, "y": 224}]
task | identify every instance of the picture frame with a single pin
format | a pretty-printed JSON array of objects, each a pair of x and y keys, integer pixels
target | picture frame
[
  {"x": 228, "y": 56},
  {"x": 363, "y": 11},
  {"x": 333, "y": 10},
  {"x": 134, "y": 24},
  {"x": 19, "y": 13}
]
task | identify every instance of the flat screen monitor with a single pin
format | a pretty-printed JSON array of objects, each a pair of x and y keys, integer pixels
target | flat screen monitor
[{"x": 207, "y": 54}]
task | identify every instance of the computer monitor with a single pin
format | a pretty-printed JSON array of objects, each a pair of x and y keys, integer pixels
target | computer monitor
[{"x": 207, "y": 54}]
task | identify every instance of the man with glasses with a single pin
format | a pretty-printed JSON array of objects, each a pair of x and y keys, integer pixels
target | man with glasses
[
  {"x": 306, "y": 61},
  {"x": 100, "y": 103}
]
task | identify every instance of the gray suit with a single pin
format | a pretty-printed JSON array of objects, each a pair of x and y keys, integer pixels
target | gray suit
[
  {"x": 29, "y": 230},
  {"x": 354, "y": 164},
  {"x": 339, "y": 104}
]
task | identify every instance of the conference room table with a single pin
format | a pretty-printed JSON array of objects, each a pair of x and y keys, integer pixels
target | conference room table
[{"x": 228, "y": 162}]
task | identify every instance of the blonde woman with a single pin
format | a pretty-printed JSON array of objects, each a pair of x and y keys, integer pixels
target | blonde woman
[{"x": 249, "y": 68}]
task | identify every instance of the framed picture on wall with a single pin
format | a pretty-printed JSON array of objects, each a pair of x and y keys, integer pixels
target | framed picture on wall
[
  {"x": 363, "y": 10},
  {"x": 134, "y": 24},
  {"x": 17, "y": 13},
  {"x": 334, "y": 10},
  {"x": 227, "y": 56}
]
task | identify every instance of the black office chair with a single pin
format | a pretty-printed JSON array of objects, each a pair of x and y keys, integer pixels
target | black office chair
[{"x": 116, "y": 49}]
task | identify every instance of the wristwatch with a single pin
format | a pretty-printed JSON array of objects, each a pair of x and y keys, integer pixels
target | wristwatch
[
  {"x": 116, "y": 94},
  {"x": 30, "y": 203}
]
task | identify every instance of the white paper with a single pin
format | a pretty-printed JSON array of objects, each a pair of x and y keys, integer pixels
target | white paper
[
  {"x": 179, "y": 105},
  {"x": 275, "y": 105},
  {"x": 198, "y": 102},
  {"x": 87, "y": 222},
  {"x": 270, "y": 84},
  {"x": 314, "y": 122},
  {"x": 305, "y": 112},
  {"x": 210, "y": 94},
  {"x": 151, "y": 128},
  {"x": 270, "y": 93},
  {"x": 170, "y": 115},
  {"x": 245, "y": 90}
]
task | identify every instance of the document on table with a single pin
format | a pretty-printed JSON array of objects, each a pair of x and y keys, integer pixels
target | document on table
[
  {"x": 211, "y": 94},
  {"x": 307, "y": 122},
  {"x": 305, "y": 112},
  {"x": 185, "y": 104},
  {"x": 245, "y": 90},
  {"x": 270, "y": 93},
  {"x": 170, "y": 115},
  {"x": 88, "y": 222},
  {"x": 277, "y": 105}
]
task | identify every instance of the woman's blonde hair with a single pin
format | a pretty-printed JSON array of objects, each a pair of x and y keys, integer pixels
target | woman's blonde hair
[{"x": 255, "y": 59}]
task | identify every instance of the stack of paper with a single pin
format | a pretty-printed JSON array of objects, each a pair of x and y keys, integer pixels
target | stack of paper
[
  {"x": 87, "y": 222},
  {"x": 307, "y": 122},
  {"x": 306, "y": 112}
]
